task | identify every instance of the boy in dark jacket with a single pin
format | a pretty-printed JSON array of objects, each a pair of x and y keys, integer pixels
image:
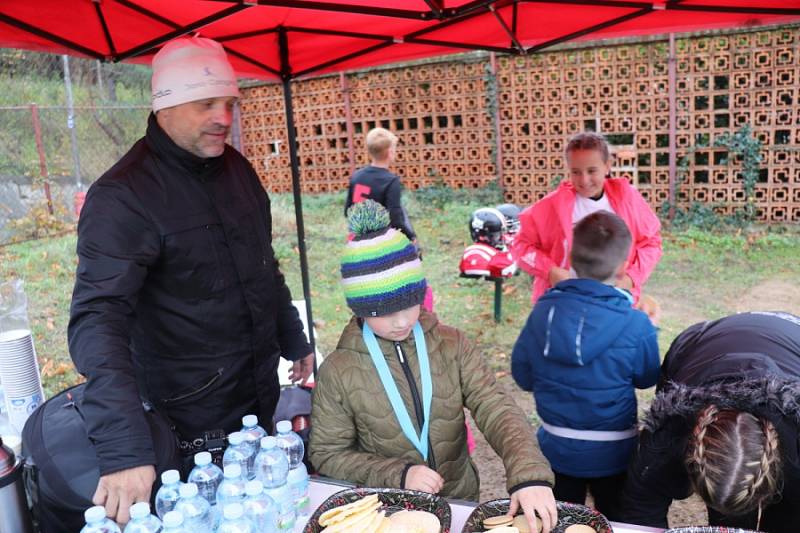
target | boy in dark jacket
[
  {"x": 376, "y": 182},
  {"x": 582, "y": 352}
]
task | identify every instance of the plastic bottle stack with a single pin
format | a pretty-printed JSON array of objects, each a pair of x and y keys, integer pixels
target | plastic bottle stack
[
  {"x": 207, "y": 476},
  {"x": 272, "y": 467},
  {"x": 253, "y": 433},
  {"x": 260, "y": 508},
  {"x": 196, "y": 511},
  {"x": 173, "y": 523},
  {"x": 233, "y": 520},
  {"x": 97, "y": 522},
  {"x": 240, "y": 452},
  {"x": 231, "y": 490},
  {"x": 168, "y": 495},
  {"x": 297, "y": 478},
  {"x": 142, "y": 521}
]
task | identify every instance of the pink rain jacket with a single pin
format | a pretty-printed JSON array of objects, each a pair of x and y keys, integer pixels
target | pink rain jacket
[{"x": 545, "y": 238}]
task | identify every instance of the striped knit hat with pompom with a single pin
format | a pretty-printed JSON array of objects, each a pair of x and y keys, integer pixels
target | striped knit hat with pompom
[{"x": 381, "y": 271}]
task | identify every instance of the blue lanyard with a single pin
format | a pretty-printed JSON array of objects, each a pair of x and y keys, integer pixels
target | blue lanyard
[{"x": 420, "y": 441}]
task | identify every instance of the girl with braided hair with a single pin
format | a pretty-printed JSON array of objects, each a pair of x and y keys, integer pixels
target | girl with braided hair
[{"x": 724, "y": 425}]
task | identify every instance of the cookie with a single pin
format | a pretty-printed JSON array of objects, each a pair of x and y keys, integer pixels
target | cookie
[
  {"x": 422, "y": 521},
  {"x": 498, "y": 521},
  {"x": 580, "y": 528}
]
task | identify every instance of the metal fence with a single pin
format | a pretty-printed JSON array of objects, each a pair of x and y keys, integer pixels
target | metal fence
[
  {"x": 63, "y": 121},
  {"x": 62, "y": 116}
]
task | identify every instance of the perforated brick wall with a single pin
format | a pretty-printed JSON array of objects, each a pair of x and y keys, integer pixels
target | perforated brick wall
[{"x": 444, "y": 117}]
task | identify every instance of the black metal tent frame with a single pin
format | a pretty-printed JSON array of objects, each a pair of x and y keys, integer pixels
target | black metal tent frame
[{"x": 436, "y": 12}]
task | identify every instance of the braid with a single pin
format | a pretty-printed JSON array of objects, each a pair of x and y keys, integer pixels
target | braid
[
  {"x": 770, "y": 457},
  {"x": 733, "y": 459},
  {"x": 705, "y": 418}
]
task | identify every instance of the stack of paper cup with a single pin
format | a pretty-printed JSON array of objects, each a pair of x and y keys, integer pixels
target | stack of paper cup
[{"x": 19, "y": 372}]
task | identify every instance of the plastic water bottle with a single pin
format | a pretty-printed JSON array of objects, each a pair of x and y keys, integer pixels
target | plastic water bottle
[
  {"x": 272, "y": 467},
  {"x": 233, "y": 520},
  {"x": 253, "y": 433},
  {"x": 231, "y": 490},
  {"x": 167, "y": 495},
  {"x": 240, "y": 452},
  {"x": 207, "y": 476},
  {"x": 142, "y": 521},
  {"x": 96, "y": 521},
  {"x": 173, "y": 523},
  {"x": 297, "y": 481},
  {"x": 290, "y": 442},
  {"x": 260, "y": 508},
  {"x": 196, "y": 511},
  {"x": 297, "y": 478}
]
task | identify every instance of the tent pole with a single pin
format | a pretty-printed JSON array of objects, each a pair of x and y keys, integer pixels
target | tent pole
[{"x": 296, "y": 193}]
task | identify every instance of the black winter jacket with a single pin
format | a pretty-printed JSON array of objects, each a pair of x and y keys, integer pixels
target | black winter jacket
[
  {"x": 749, "y": 362},
  {"x": 178, "y": 298},
  {"x": 380, "y": 185}
]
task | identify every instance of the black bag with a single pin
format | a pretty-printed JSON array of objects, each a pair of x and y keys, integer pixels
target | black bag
[{"x": 61, "y": 465}]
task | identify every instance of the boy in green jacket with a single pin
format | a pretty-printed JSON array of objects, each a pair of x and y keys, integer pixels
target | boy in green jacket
[{"x": 388, "y": 407}]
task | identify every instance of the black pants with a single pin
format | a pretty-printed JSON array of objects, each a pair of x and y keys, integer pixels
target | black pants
[{"x": 605, "y": 490}]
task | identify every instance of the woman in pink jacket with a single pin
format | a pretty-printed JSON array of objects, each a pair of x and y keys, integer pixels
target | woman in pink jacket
[{"x": 542, "y": 246}]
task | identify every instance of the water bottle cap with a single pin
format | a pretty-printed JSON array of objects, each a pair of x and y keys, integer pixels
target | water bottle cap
[
  {"x": 253, "y": 488},
  {"x": 202, "y": 458},
  {"x": 188, "y": 490},
  {"x": 168, "y": 477},
  {"x": 268, "y": 443},
  {"x": 250, "y": 420},
  {"x": 173, "y": 519},
  {"x": 140, "y": 510},
  {"x": 233, "y": 471},
  {"x": 298, "y": 472},
  {"x": 94, "y": 514},
  {"x": 236, "y": 438},
  {"x": 233, "y": 511},
  {"x": 284, "y": 426}
]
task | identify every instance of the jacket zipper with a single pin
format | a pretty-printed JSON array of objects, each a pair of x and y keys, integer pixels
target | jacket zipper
[
  {"x": 415, "y": 398},
  {"x": 189, "y": 394}
]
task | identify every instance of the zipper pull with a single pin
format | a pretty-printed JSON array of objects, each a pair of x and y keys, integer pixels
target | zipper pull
[{"x": 399, "y": 351}]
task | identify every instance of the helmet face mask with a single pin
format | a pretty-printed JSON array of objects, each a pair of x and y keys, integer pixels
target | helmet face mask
[
  {"x": 488, "y": 226},
  {"x": 512, "y": 213}
]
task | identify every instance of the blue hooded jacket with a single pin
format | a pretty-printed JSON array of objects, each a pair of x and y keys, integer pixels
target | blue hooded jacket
[{"x": 582, "y": 351}]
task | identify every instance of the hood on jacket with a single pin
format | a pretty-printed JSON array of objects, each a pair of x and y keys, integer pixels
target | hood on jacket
[
  {"x": 590, "y": 315},
  {"x": 770, "y": 397}
]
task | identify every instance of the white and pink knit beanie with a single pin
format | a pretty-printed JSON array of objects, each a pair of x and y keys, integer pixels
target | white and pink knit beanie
[{"x": 190, "y": 69}]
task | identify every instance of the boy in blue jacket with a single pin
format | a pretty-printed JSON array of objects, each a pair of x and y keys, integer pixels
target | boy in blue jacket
[{"x": 582, "y": 352}]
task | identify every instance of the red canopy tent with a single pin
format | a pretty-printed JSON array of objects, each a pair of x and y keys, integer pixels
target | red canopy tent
[
  {"x": 292, "y": 38},
  {"x": 287, "y": 39}
]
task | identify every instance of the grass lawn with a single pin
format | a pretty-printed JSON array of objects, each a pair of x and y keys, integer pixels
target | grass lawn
[{"x": 701, "y": 276}]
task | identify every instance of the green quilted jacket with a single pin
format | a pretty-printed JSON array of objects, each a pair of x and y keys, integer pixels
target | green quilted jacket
[{"x": 356, "y": 437}]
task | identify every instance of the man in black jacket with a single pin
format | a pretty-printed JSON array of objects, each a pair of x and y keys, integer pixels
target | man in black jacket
[
  {"x": 746, "y": 363},
  {"x": 178, "y": 297}
]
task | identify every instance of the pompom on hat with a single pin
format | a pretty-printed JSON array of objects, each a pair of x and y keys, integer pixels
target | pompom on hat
[
  {"x": 381, "y": 270},
  {"x": 190, "y": 69}
]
